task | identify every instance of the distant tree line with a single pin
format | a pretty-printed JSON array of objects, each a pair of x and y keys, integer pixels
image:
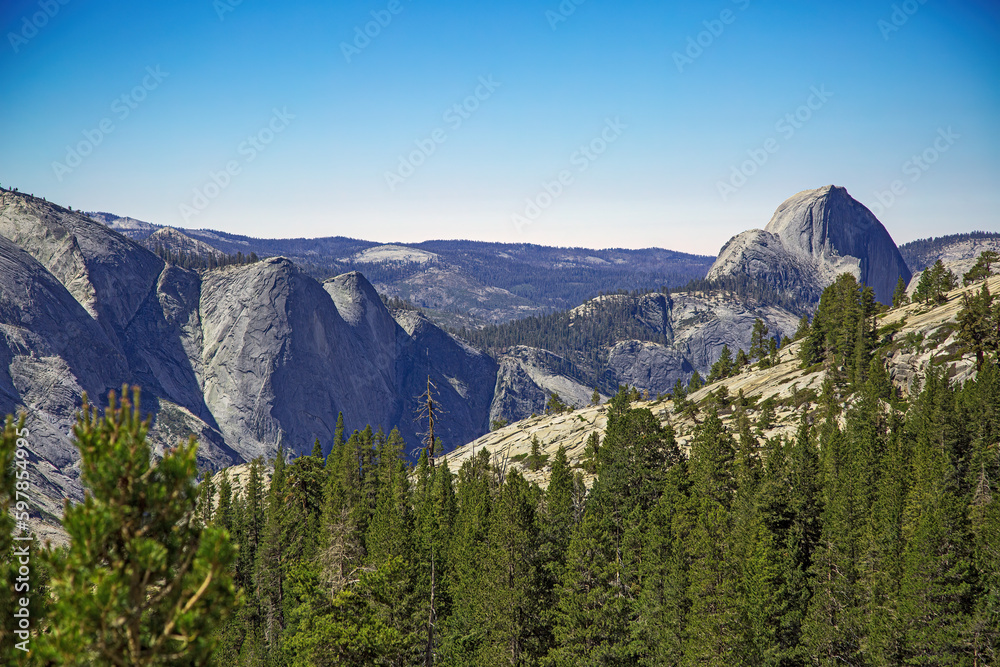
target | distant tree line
[
  {"x": 921, "y": 253},
  {"x": 198, "y": 261},
  {"x": 764, "y": 292},
  {"x": 583, "y": 339}
]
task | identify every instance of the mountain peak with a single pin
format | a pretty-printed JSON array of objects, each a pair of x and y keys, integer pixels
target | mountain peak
[{"x": 823, "y": 232}]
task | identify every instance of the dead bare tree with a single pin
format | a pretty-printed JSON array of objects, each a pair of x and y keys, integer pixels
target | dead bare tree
[{"x": 429, "y": 410}]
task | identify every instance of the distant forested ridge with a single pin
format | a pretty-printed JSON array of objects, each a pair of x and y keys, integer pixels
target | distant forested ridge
[
  {"x": 584, "y": 335},
  {"x": 500, "y": 281},
  {"x": 922, "y": 253}
]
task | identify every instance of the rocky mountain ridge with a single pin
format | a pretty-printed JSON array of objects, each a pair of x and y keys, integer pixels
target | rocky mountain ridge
[
  {"x": 246, "y": 358},
  {"x": 462, "y": 282}
]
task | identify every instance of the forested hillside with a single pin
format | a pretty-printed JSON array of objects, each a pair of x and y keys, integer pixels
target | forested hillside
[
  {"x": 693, "y": 322},
  {"x": 871, "y": 537},
  {"x": 922, "y": 253}
]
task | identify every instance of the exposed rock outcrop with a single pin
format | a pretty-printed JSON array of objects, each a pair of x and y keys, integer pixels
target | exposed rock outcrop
[
  {"x": 525, "y": 380},
  {"x": 813, "y": 237},
  {"x": 692, "y": 328},
  {"x": 648, "y": 366}
]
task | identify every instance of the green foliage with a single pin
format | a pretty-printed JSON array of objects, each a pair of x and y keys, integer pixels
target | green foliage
[
  {"x": 843, "y": 332},
  {"x": 899, "y": 296},
  {"x": 536, "y": 460},
  {"x": 498, "y": 424},
  {"x": 141, "y": 582},
  {"x": 868, "y": 538},
  {"x": 591, "y": 453},
  {"x": 983, "y": 268},
  {"x": 203, "y": 262},
  {"x": 758, "y": 340},
  {"x": 934, "y": 283},
  {"x": 724, "y": 368},
  {"x": 695, "y": 383},
  {"x": 978, "y": 322},
  {"x": 555, "y": 406}
]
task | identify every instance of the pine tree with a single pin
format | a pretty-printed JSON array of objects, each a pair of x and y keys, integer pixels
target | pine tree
[
  {"x": 435, "y": 516},
  {"x": 463, "y": 635},
  {"x": 390, "y": 536},
  {"x": 338, "y": 442},
  {"x": 224, "y": 506},
  {"x": 344, "y": 515},
  {"x": 803, "y": 330},
  {"x": 980, "y": 409},
  {"x": 269, "y": 574},
  {"x": 206, "y": 498},
  {"x": 832, "y": 629},
  {"x": 712, "y": 582},
  {"x": 882, "y": 563},
  {"x": 724, "y": 367},
  {"x": 511, "y": 617},
  {"x": 535, "y": 459},
  {"x": 664, "y": 603},
  {"x": 976, "y": 324},
  {"x": 798, "y": 529},
  {"x": 899, "y": 296},
  {"x": 597, "y": 601},
  {"x": 555, "y": 405},
  {"x": 983, "y": 268},
  {"x": 935, "y": 594},
  {"x": 591, "y": 453},
  {"x": 557, "y": 521},
  {"x": 141, "y": 582},
  {"x": 758, "y": 340}
]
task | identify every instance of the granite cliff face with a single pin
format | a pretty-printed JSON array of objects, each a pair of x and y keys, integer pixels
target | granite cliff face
[
  {"x": 527, "y": 377},
  {"x": 813, "y": 237},
  {"x": 696, "y": 327},
  {"x": 246, "y": 358}
]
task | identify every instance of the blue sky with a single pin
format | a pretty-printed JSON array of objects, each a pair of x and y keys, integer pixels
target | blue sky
[{"x": 625, "y": 124}]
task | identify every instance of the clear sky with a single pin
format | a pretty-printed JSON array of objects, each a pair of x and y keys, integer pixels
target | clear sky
[{"x": 697, "y": 119}]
